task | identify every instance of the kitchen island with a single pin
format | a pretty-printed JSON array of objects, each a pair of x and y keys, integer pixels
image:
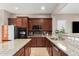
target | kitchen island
[{"x": 10, "y": 48}]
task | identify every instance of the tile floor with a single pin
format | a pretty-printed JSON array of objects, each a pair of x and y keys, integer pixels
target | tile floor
[{"x": 39, "y": 52}]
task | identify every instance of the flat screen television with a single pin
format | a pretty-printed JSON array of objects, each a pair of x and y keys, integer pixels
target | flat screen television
[{"x": 75, "y": 27}]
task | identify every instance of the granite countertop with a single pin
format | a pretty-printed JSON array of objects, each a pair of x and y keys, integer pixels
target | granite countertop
[
  {"x": 70, "y": 47},
  {"x": 11, "y": 47}
]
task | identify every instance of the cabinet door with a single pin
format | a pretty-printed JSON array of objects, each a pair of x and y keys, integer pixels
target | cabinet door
[
  {"x": 44, "y": 42},
  {"x": 47, "y": 42},
  {"x": 49, "y": 47},
  {"x": 39, "y": 41},
  {"x": 20, "y": 52},
  {"x": 19, "y": 22},
  {"x": 28, "y": 49},
  {"x": 56, "y": 51},
  {"x": 33, "y": 42},
  {"x": 12, "y": 21},
  {"x": 25, "y": 22},
  {"x": 47, "y": 24}
]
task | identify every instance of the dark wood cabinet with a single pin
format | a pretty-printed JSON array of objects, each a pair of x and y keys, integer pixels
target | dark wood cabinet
[
  {"x": 24, "y": 51},
  {"x": 38, "y": 42},
  {"x": 20, "y": 52},
  {"x": 25, "y": 22},
  {"x": 28, "y": 49},
  {"x": 22, "y": 22},
  {"x": 19, "y": 21},
  {"x": 12, "y": 21},
  {"x": 52, "y": 49},
  {"x": 45, "y": 23},
  {"x": 33, "y": 42},
  {"x": 56, "y": 51},
  {"x": 49, "y": 47}
]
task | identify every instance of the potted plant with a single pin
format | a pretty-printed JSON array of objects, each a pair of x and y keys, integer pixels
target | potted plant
[{"x": 60, "y": 32}]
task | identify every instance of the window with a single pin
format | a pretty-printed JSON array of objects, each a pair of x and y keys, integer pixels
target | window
[{"x": 61, "y": 24}]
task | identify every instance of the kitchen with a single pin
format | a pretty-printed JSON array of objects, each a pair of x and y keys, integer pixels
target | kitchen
[{"x": 34, "y": 34}]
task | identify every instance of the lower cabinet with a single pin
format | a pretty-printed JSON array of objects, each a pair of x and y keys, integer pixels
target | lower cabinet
[
  {"x": 38, "y": 42},
  {"x": 20, "y": 52},
  {"x": 25, "y": 51},
  {"x": 33, "y": 42},
  {"x": 52, "y": 49},
  {"x": 57, "y": 51},
  {"x": 49, "y": 47}
]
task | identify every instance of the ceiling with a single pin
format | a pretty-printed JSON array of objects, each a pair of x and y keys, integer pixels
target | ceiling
[
  {"x": 71, "y": 8},
  {"x": 28, "y": 8},
  {"x": 35, "y": 8}
]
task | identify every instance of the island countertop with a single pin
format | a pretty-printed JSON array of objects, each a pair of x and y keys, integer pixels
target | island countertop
[
  {"x": 9, "y": 48},
  {"x": 68, "y": 46}
]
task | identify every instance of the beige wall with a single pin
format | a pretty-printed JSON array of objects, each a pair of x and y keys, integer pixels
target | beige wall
[
  {"x": 4, "y": 15},
  {"x": 1, "y": 17},
  {"x": 68, "y": 17}
]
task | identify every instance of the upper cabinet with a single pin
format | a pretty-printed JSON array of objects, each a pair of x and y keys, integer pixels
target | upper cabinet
[
  {"x": 19, "y": 21},
  {"x": 45, "y": 23},
  {"x": 12, "y": 21},
  {"x": 25, "y": 22},
  {"x": 22, "y": 22}
]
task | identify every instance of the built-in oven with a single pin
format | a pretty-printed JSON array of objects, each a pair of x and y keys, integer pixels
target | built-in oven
[{"x": 20, "y": 32}]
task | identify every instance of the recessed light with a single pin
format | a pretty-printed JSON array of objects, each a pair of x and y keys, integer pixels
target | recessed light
[
  {"x": 16, "y": 8},
  {"x": 42, "y": 7}
]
